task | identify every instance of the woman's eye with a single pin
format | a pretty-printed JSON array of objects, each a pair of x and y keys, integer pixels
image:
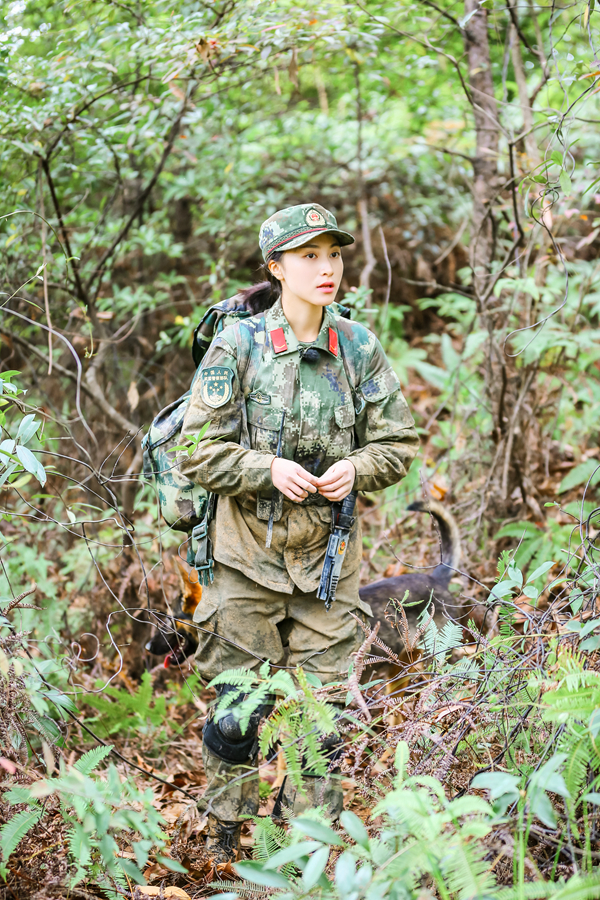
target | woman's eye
[
  {"x": 336, "y": 254},
  {"x": 311, "y": 255}
]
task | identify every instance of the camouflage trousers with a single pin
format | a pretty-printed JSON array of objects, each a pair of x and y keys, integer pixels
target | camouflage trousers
[
  {"x": 245, "y": 623},
  {"x": 233, "y": 791}
]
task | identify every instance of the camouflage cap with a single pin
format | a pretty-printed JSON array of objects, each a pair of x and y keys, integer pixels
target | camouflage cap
[{"x": 292, "y": 227}]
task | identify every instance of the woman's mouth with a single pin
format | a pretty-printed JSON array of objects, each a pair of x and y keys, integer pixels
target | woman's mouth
[{"x": 326, "y": 288}]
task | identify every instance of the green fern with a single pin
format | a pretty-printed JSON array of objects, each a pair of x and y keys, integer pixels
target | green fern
[
  {"x": 13, "y": 832},
  {"x": 439, "y": 642},
  {"x": 121, "y": 712},
  {"x": 576, "y": 888},
  {"x": 92, "y": 759},
  {"x": 269, "y": 838}
]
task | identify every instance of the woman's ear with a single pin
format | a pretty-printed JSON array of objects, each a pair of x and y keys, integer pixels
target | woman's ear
[{"x": 275, "y": 269}]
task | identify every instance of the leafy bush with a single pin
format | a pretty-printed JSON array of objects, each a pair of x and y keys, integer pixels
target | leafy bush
[
  {"x": 424, "y": 839},
  {"x": 97, "y": 812}
]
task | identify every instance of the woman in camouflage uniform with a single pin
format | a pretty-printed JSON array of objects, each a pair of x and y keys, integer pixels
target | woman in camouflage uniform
[{"x": 301, "y": 376}]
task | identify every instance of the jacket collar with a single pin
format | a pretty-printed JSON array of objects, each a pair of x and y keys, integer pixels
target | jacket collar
[{"x": 283, "y": 340}]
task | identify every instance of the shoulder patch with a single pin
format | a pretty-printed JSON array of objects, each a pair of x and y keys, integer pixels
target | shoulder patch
[
  {"x": 216, "y": 385},
  {"x": 380, "y": 386}
]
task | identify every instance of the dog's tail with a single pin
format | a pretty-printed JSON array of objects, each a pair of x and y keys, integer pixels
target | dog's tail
[{"x": 449, "y": 536}]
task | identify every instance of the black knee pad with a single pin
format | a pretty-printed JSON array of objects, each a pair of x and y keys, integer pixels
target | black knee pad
[
  {"x": 224, "y": 737},
  {"x": 332, "y": 746}
]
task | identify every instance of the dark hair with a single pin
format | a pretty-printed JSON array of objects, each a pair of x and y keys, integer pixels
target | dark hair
[{"x": 259, "y": 297}]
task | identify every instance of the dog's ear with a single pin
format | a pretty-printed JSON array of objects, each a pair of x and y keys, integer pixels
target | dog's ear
[{"x": 191, "y": 591}]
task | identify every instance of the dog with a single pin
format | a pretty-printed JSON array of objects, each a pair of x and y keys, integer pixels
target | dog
[
  {"x": 398, "y": 602},
  {"x": 420, "y": 589},
  {"x": 176, "y": 638}
]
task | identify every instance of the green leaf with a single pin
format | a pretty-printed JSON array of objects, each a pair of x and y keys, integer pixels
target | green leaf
[
  {"x": 291, "y": 854},
  {"x": 515, "y": 575},
  {"x": 592, "y": 643},
  {"x": 130, "y": 869},
  {"x": 355, "y": 828},
  {"x": 30, "y": 463},
  {"x": 345, "y": 872},
  {"x": 565, "y": 182},
  {"x": 315, "y": 868},
  {"x": 592, "y": 797},
  {"x": 541, "y": 807},
  {"x": 28, "y": 427},
  {"x": 256, "y": 873},
  {"x": 503, "y": 589},
  {"x": 171, "y": 864},
  {"x": 498, "y": 784},
  {"x": 317, "y": 831},
  {"x": 531, "y": 591},
  {"x": 541, "y": 570},
  {"x": 581, "y": 474}
]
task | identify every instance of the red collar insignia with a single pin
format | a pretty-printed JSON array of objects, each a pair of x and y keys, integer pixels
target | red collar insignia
[
  {"x": 278, "y": 340},
  {"x": 333, "y": 342}
]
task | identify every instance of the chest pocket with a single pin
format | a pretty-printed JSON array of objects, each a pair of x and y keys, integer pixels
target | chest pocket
[
  {"x": 263, "y": 426},
  {"x": 340, "y": 433}
]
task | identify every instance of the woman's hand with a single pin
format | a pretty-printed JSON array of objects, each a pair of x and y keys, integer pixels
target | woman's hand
[
  {"x": 338, "y": 480},
  {"x": 292, "y": 480}
]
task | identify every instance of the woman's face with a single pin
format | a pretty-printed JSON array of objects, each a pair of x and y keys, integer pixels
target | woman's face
[{"x": 312, "y": 272}]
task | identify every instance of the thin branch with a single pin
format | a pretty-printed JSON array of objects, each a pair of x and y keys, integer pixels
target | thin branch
[
  {"x": 91, "y": 379},
  {"x": 65, "y": 234},
  {"x": 170, "y": 140},
  {"x": 386, "y": 302},
  {"x": 443, "y": 13}
]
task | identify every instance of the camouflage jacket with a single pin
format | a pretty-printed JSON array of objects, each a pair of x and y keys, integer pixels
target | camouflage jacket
[{"x": 342, "y": 401}]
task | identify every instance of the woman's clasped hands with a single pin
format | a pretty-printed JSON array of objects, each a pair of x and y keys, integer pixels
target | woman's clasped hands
[{"x": 296, "y": 483}]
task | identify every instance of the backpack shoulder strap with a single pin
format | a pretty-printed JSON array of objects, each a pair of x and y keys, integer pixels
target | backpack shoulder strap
[{"x": 213, "y": 321}]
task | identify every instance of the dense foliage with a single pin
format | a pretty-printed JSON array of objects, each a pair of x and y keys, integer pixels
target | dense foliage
[{"x": 142, "y": 146}]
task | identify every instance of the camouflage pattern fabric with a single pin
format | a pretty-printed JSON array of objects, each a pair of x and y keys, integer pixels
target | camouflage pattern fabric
[
  {"x": 342, "y": 401},
  {"x": 182, "y": 500},
  {"x": 293, "y": 226},
  {"x": 327, "y": 792},
  {"x": 233, "y": 788},
  {"x": 244, "y": 623}
]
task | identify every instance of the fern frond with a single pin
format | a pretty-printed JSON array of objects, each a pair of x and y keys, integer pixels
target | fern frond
[
  {"x": 576, "y": 888},
  {"x": 269, "y": 838},
  {"x": 90, "y": 760},
  {"x": 467, "y": 873},
  {"x": 13, "y": 831},
  {"x": 80, "y": 851},
  {"x": 236, "y": 677}
]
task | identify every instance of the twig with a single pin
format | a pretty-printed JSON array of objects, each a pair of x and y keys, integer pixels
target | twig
[
  {"x": 359, "y": 665},
  {"x": 384, "y": 310},
  {"x": 44, "y": 257}
]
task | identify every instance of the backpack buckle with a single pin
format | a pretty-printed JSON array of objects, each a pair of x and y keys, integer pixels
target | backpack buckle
[{"x": 203, "y": 558}]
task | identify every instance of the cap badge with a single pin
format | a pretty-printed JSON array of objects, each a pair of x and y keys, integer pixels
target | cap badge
[{"x": 315, "y": 219}]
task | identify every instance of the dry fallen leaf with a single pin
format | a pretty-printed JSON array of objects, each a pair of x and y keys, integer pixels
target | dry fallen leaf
[
  {"x": 133, "y": 396},
  {"x": 168, "y": 891}
]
